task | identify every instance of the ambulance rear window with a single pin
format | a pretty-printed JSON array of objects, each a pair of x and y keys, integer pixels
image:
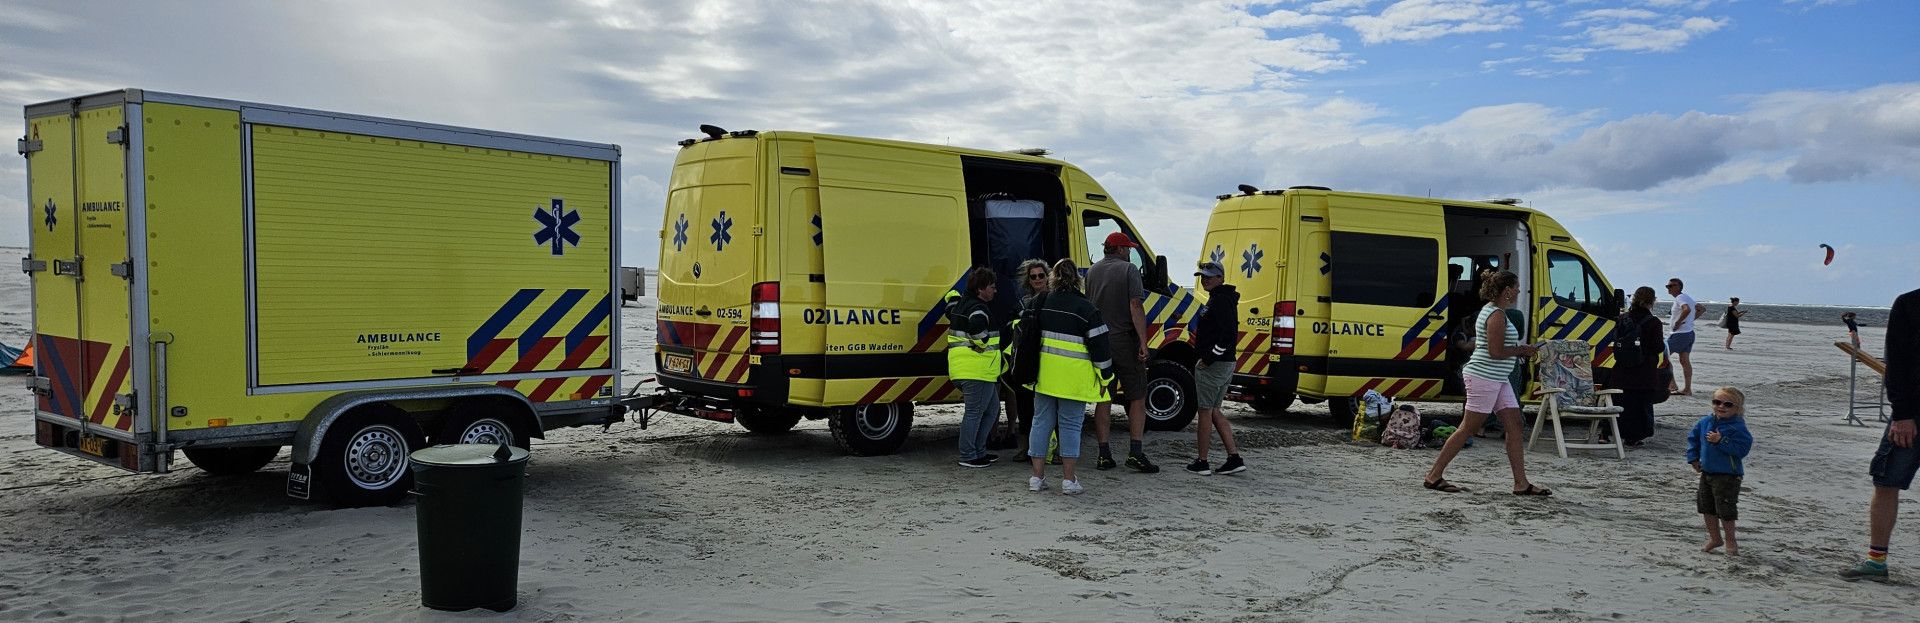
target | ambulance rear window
[{"x": 1381, "y": 269}]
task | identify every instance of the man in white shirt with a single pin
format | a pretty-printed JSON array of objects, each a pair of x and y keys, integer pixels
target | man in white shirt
[{"x": 1680, "y": 341}]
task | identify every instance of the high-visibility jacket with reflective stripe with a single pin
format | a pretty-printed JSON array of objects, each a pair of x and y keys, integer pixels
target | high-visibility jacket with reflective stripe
[
  {"x": 973, "y": 343},
  {"x": 1074, "y": 363}
]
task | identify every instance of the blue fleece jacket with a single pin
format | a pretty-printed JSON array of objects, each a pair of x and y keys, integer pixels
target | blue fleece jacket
[{"x": 1725, "y": 457}]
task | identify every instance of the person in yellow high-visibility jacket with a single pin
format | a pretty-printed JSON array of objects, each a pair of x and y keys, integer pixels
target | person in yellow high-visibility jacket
[
  {"x": 1074, "y": 371},
  {"x": 974, "y": 363}
]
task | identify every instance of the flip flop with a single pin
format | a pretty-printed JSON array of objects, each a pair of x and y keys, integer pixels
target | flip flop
[
  {"x": 1534, "y": 490},
  {"x": 1442, "y": 485}
]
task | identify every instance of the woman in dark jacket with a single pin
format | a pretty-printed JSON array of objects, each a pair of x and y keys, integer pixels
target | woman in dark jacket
[{"x": 1640, "y": 380}]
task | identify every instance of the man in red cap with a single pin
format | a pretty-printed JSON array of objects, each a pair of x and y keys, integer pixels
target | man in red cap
[{"x": 1115, "y": 287}]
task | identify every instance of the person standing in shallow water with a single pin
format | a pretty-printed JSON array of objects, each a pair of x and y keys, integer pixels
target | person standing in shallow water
[{"x": 1496, "y": 351}]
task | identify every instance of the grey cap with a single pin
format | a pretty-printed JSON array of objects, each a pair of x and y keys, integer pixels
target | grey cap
[{"x": 1210, "y": 269}]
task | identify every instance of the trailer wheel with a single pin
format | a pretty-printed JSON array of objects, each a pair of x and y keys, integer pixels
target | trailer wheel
[
  {"x": 469, "y": 427},
  {"x": 363, "y": 460},
  {"x": 868, "y": 430},
  {"x": 766, "y": 421},
  {"x": 231, "y": 461},
  {"x": 1169, "y": 396}
]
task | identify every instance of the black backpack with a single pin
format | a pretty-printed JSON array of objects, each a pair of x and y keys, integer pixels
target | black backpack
[
  {"x": 1026, "y": 345},
  {"x": 1627, "y": 348}
]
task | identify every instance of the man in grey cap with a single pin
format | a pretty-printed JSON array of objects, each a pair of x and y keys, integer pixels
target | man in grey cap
[{"x": 1216, "y": 331}]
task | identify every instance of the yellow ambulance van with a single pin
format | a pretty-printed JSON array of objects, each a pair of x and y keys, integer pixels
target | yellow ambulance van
[
  {"x": 226, "y": 278},
  {"x": 802, "y": 276},
  {"x": 1345, "y": 292}
]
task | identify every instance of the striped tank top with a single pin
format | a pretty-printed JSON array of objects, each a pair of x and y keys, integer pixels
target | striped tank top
[{"x": 1483, "y": 365}]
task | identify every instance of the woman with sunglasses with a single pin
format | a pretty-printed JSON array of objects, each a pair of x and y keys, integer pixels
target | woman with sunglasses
[
  {"x": 1033, "y": 282},
  {"x": 1639, "y": 381}
]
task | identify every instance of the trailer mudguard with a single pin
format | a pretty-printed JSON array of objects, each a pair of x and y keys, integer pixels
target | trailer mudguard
[{"x": 313, "y": 429}]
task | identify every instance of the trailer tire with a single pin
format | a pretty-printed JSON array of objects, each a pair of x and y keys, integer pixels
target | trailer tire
[
  {"x": 471, "y": 427},
  {"x": 1170, "y": 399},
  {"x": 767, "y": 421},
  {"x": 870, "y": 430},
  {"x": 231, "y": 461},
  {"x": 363, "y": 459}
]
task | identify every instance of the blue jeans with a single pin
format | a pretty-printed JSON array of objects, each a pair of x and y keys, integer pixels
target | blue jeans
[
  {"x": 982, "y": 410},
  {"x": 1049, "y": 412}
]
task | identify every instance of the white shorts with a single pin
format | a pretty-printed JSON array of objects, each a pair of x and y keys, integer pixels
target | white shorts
[{"x": 1484, "y": 396}]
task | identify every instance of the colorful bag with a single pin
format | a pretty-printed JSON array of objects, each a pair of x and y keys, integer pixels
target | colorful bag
[{"x": 1403, "y": 429}]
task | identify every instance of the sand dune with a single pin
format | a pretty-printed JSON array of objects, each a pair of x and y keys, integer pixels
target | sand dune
[{"x": 697, "y": 521}]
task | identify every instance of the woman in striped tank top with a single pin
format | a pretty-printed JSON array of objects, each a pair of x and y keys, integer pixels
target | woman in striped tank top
[{"x": 1495, "y": 353}]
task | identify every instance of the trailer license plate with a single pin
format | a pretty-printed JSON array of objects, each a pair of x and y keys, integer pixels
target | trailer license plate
[
  {"x": 96, "y": 446},
  {"x": 679, "y": 364}
]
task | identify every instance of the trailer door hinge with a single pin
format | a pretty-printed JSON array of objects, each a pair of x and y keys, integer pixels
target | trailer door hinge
[
  {"x": 70, "y": 268},
  {"x": 123, "y": 404},
  {"x": 27, "y": 145},
  {"x": 118, "y": 136},
  {"x": 29, "y": 265},
  {"x": 41, "y": 386},
  {"x": 123, "y": 270}
]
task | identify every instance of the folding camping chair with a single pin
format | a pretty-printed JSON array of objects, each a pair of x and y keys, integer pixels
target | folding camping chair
[{"x": 1564, "y": 369}]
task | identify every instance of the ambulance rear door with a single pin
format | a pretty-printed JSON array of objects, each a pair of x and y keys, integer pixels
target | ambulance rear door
[
  {"x": 894, "y": 237},
  {"x": 707, "y": 256},
  {"x": 1387, "y": 281}
]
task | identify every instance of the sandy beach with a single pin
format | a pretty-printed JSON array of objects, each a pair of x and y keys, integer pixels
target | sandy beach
[{"x": 698, "y": 521}]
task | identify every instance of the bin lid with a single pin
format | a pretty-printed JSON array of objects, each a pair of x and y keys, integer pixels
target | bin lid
[{"x": 466, "y": 454}]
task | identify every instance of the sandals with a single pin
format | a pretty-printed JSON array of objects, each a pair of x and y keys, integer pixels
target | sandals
[
  {"x": 1534, "y": 490},
  {"x": 1442, "y": 485}
]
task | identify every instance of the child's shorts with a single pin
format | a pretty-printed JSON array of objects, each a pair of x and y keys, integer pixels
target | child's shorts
[{"x": 1719, "y": 496}]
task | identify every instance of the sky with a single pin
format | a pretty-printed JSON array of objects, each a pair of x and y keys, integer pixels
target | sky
[{"x": 1721, "y": 141}]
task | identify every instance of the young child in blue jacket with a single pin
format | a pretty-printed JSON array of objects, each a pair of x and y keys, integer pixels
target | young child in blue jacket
[{"x": 1717, "y": 447}]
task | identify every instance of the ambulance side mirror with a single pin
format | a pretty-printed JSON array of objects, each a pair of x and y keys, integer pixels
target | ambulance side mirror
[
  {"x": 1158, "y": 281},
  {"x": 1618, "y": 305}
]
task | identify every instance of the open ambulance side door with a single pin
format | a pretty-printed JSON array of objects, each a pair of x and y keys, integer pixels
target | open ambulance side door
[
  {"x": 1387, "y": 298},
  {"x": 895, "y": 238}
]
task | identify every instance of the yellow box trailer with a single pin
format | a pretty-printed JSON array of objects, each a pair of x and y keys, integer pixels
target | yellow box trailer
[
  {"x": 226, "y": 278},
  {"x": 801, "y": 276}
]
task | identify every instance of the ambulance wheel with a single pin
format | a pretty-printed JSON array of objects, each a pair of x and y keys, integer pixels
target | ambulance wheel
[
  {"x": 480, "y": 428},
  {"x": 869, "y": 430},
  {"x": 363, "y": 460},
  {"x": 1340, "y": 410},
  {"x": 1169, "y": 396},
  {"x": 231, "y": 461},
  {"x": 765, "y": 421},
  {"x": 1272, "y": 403}
]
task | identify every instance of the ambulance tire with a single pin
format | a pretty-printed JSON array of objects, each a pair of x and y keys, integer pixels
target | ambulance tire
[
  {"x": 1340, "y": 410},
  {"x": 871, "y": 430},
  {"x": 1272, "y": 403},
  {"x": 481, "y": 428},
  {"x": 766, "y": 421},
  {"x": 231, "y": 461},
  {"x": 363, "y": 459},
  {"x": 1170, "y": 398}
]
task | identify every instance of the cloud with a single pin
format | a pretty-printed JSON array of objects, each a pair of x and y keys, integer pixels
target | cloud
[{"x": 1421, "y": 20}]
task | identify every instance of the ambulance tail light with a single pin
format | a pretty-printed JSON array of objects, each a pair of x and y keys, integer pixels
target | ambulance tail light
[
  {"x": 1283, "y": 328},
  {"x": 764, "y": 324}
]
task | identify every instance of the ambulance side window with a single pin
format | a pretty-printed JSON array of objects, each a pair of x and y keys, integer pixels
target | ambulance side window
[
  {"x": 1575, "y": 284},
  {"x": 1098, "y": 225},
  {"x": 1381, "y": 269}
]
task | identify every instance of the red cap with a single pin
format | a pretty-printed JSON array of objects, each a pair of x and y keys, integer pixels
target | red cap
[{"x": 1120, "y": 239}]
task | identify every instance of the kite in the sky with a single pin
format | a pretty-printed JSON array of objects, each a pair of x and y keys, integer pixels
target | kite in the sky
[{"x": 1829, "y": 249}]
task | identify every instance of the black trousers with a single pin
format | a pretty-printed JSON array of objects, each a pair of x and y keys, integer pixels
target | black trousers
[{"x": 1636, "y": 417}]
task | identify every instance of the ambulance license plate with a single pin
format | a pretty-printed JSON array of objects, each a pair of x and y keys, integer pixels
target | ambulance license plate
[
  {"x": 679, "y": 364},
  {"x": 96, "y": 446}
]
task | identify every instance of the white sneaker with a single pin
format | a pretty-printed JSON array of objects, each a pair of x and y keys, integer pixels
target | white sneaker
[
  {"x": 1036, "y": 483},
  {"x": 1070, "y": 487}
]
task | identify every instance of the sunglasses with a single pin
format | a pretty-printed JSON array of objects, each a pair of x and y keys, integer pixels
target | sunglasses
[
  {"x": 1037, "y": 276},
  {"x": 1725, "y": 403}
]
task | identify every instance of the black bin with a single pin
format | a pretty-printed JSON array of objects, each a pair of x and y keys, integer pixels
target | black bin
[{"x": 469, "y": 524}]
